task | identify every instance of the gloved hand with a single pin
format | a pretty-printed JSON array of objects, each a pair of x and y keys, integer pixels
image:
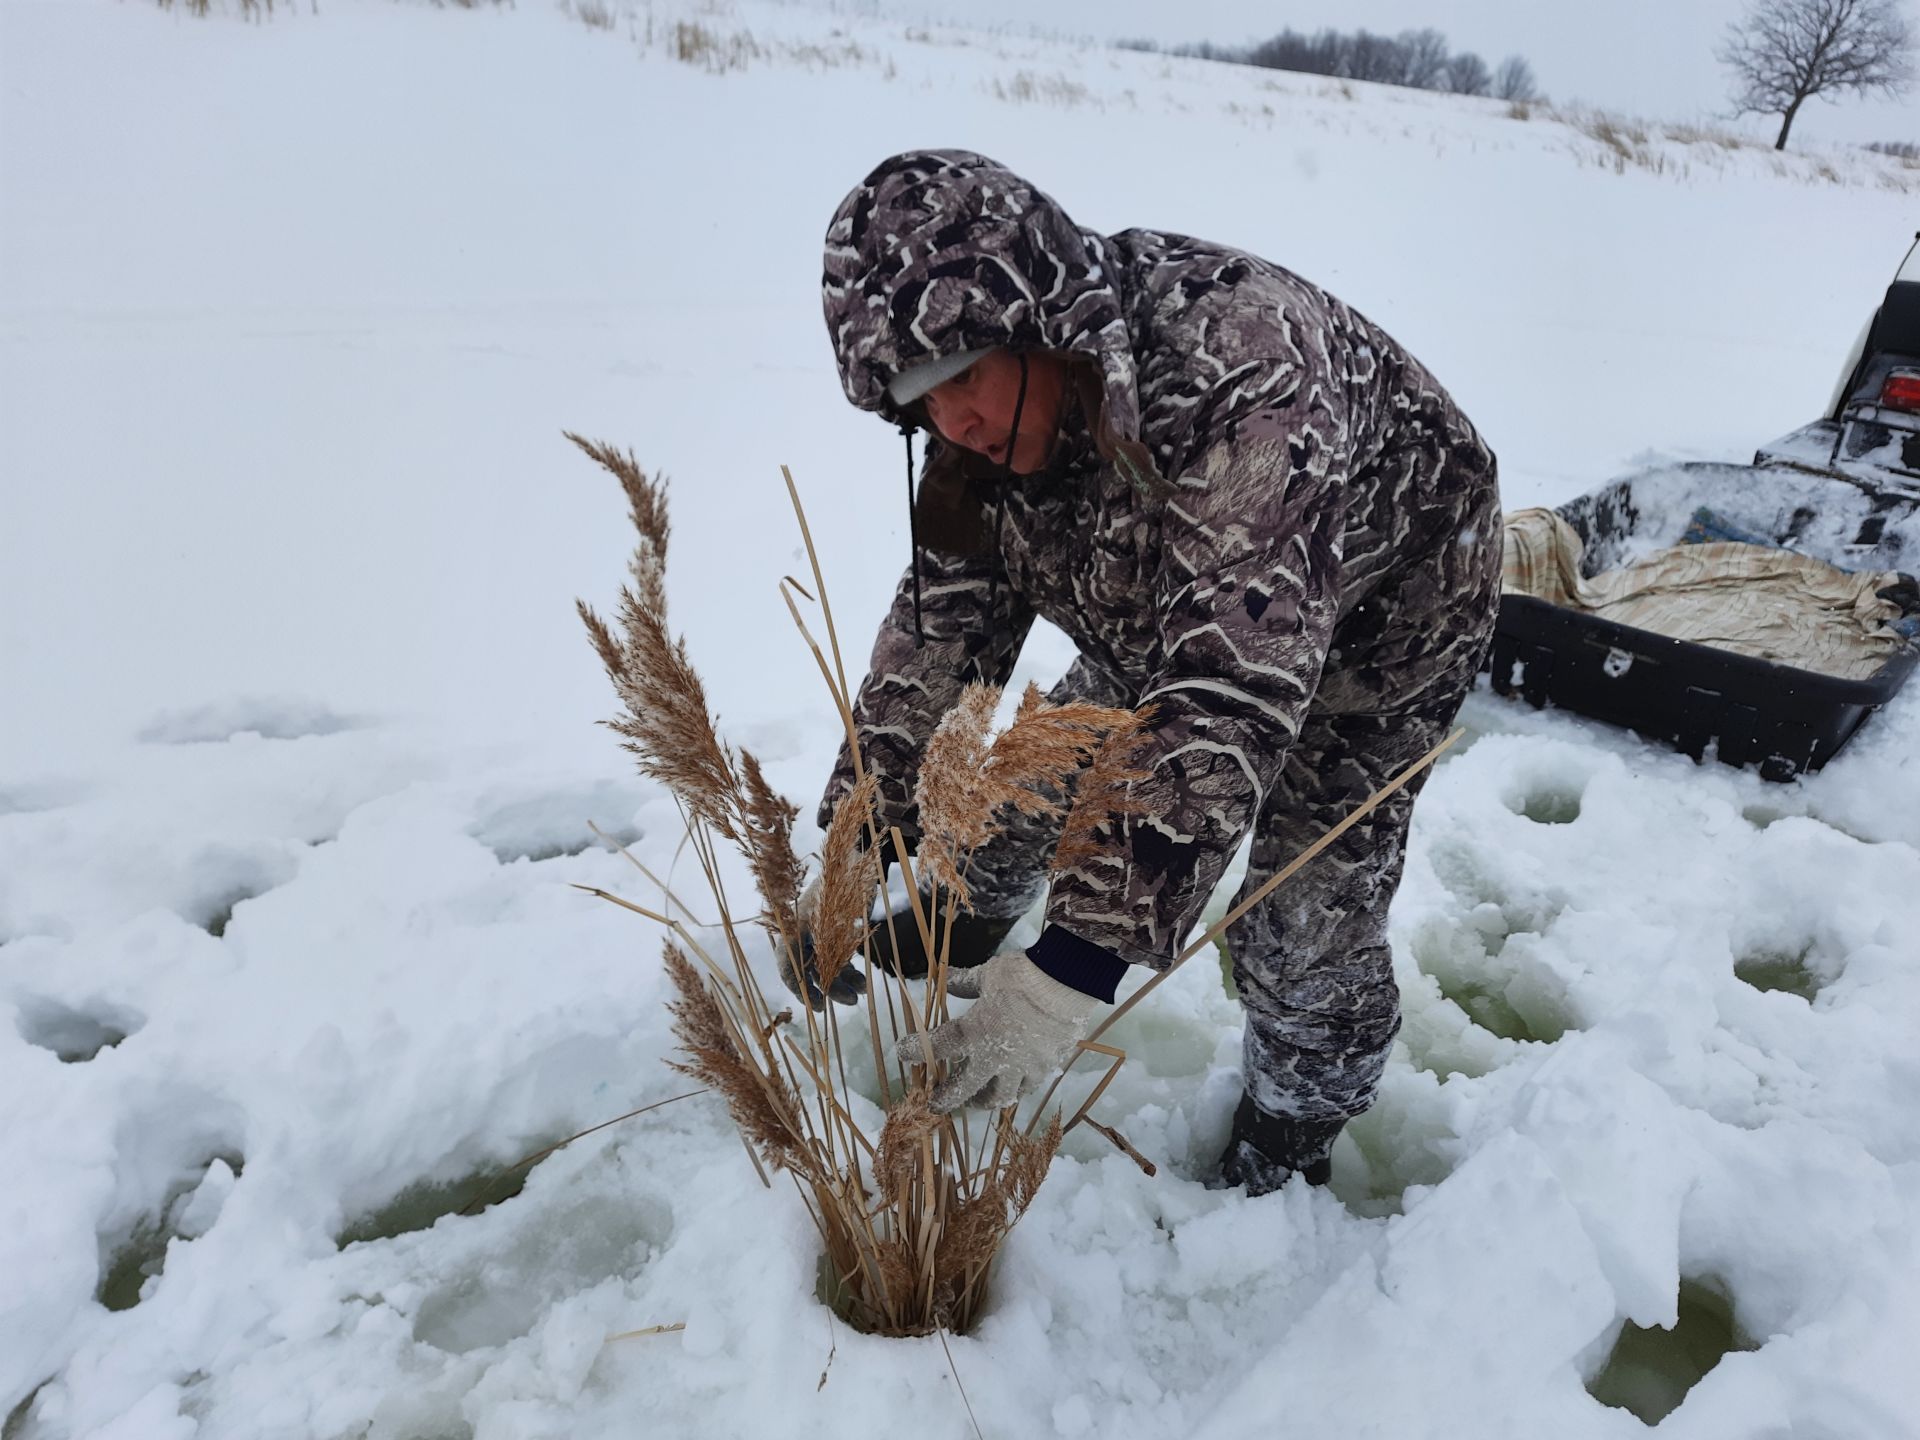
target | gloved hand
[
  {"x": 1025, "y": 1025},
  {"x": 847, "y": 987}
]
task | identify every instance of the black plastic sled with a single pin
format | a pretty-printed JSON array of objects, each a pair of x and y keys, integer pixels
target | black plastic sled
[{"x": 1701, "y": 700}]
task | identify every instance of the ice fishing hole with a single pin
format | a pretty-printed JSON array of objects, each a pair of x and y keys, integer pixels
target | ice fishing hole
[
  {"x": 75, "y": 1036},
  {"x": 1512, "y": 1009},
  {"x": 577, "y": 1240},
  {"x": 1547, "y": 805},
  {"x": 226, "y": 879},
  {"x": 1649, "y": 1371},
  {"x": 550, "y": 824},
  {"x": 1398, "y": 1150},
  {"x": 14, "y": 1427},
  {"x": 132, "y": 1257},
  {"x": 1499, "y": 989},
  {"x": 534, "y": 852},
  {"x": 217, "y": 915},
  {"x": 270, "y": 719},
  {"x": 1761, "y": 816},
  {"x": 37, "y": 799},
  {"x": 137, "y": 1257},
  {"x": 423, "y": 1204},
  {"x": 1779, "y": 970}
]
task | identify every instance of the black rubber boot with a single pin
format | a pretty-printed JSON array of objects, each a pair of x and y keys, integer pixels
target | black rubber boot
[
  {"x": 1265, "y": 1151},
  {"x": 976, "y": 940}
]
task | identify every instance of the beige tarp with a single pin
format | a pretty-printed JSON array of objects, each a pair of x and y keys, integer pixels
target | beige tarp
[{"x": 1750, "y": 599}]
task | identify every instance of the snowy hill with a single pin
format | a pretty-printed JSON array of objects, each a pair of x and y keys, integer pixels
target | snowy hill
[{"x": 298, "y": 757}]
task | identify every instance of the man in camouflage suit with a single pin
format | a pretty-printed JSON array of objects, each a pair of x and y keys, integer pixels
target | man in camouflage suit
[{"x": 1256, "y": 513}]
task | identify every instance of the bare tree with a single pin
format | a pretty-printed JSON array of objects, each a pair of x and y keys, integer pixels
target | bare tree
[
  {"x": 1784, "y": 52},
  {"x": 1514, "y": 80},
  {"x": 1426, "y": 52},
  {"x": 1467, "y": 74},
  {"x": 1304, "y": 54},
  {"x": 1378, "y": 58}
]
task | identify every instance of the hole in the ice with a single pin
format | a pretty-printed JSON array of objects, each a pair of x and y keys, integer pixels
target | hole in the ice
[
  {"x": 134, "y": 1257},
  {"x": 218, "y": 914},
  {"x": 1779, "y": 970},
  {"x": 1397, "y": 1150},
  {"x": 1468, "y": 958},
  {"x": 1761, "y": 816},
  {"x": 38, "y": 798},
  {"x": 534, "y": 854},
  {"x": 75, "y": 1036},
  {"x": 194, "y": 1399},
  {"x": 1649, "y": 1372},
  {"x": 269, "y": 719},
  {"x": 225, "y": 878},
  {"x": 423, "y": 1204},
  {"x": 1442, "y": 1042},
  {"x": 571, "y": 1246},
  {"x": 1547, "y": 805},
  {"x": 547, "y": 826},
  {"x": 15, "y": 1426},
  {"x": 137, "y": 1258},
  {"x": 1516, "y": 1009}
]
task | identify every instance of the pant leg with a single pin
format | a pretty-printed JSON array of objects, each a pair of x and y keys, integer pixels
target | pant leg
[
  {"x": 1009, "y": 872},
  {"x": 1311, "y": 960}
]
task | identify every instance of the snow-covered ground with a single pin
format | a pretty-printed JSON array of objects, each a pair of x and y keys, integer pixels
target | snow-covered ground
[{"x": 297, "y": 758}]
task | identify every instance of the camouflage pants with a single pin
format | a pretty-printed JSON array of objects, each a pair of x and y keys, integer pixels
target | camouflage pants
[{"x": 1311, "y": 961}]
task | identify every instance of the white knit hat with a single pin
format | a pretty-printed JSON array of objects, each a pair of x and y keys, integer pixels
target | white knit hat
[{"x": 916, "y": 380}]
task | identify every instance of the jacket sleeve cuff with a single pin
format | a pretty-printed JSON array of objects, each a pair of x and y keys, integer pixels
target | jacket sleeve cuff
[{"x": 1078, "y": 964}]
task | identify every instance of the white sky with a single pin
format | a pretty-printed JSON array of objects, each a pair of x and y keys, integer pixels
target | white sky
[{"x": 1652, "y": 58}]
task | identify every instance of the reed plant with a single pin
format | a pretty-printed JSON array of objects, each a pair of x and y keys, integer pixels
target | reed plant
[{"x": 911, "y": 1206}]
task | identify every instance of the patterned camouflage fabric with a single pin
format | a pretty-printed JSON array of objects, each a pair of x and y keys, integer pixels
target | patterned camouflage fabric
[{"x": 1263, "y": 517}]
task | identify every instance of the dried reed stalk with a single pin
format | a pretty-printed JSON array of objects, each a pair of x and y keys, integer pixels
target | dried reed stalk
[{"x": 849, "y": 874}]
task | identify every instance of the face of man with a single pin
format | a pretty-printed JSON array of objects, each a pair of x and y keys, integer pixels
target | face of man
[{"x": 974, "y": 409}]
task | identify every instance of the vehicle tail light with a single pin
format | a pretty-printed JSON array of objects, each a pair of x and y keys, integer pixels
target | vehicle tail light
[{"x": 1902, "y": 391}]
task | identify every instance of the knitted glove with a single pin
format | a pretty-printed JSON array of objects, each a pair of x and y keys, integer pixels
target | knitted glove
[{"x": 1023, "y": 1027}]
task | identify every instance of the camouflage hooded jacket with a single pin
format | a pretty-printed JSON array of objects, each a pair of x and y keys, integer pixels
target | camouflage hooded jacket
[{"x": 1256, "y": 476}]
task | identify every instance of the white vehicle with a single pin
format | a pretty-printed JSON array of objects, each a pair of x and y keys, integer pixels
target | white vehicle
[{"x": 1871, "y": 431}]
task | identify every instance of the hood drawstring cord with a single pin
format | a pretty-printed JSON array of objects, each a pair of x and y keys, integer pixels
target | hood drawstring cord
[
  {"x": 999, "y": 520},
  {"x": 913, "y": 538}
]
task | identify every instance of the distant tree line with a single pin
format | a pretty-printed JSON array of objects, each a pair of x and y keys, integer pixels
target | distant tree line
[{"x": 1419, "y": 59}]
